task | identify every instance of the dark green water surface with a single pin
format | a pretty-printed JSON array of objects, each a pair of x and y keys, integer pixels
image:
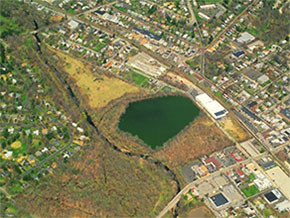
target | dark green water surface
[{"x": 156, "y": 120}]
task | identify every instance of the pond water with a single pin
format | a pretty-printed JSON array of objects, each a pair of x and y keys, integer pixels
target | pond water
[{"x": 156, "y": 120}]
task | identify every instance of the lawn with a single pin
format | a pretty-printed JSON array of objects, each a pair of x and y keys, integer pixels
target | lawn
[
  {"x": 219, "y": 94},
  {"x": 166, "y": 88},
  {"x": 139, "y": 79},
  {"x": 251, "y": 177},
  {"x": 267, "y": 212},
  {"x": 120, "y": 8},
  {"x": 250, "y": 190},
  {"x": 100, "y": 46}
]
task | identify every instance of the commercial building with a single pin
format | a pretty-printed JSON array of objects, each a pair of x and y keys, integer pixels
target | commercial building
[
  {"x": 261, "y": 181},
  {"x": 273, "y": 196},
  {"x": 262, "y": 79},
  {"x": 283, "y": 206},
  {"x": 215, "y": 109},
  {"x": 209, "y": 6},
  {"x": 204, "y": 16},
  {"x": 73, "y": 24},
  {"x": 219, "y": 199},
  {"x": 245, "y": 38},
  {"x": 281, "y": 179}
]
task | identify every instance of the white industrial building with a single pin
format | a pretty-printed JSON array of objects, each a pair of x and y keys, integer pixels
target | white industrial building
[
  {"x": 261, "y": 181},
  {"x": 215, "y": 109},
  {"x": 73, "y": 24},
  {"x": 283, "y": 206},
  {"x": 245, "y": 37},
  {"x": 208, "y": 6}
]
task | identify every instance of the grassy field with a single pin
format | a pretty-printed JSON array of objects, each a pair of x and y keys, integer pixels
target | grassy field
[
  {"x": 100, "y": 90},
  {"x": 250, "y": 190},
  {"x": 139, "y": 79}
]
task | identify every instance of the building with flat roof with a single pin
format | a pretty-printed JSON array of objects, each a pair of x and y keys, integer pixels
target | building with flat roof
[
  {"x": 208, "y": 6},
  {"x": 245, "y": 37},
  {"x": 204, "y": 16},
  {"x": 262, "y": 79},
  {"x": 281, "y": 179},
  {"x": 73, "y": 24},
  {"x": 272, "y": 196},
  {"x": 215, "y": 109},
  {"x": 286, "y": 112},
  {"x": 283, "y": 206},
  {"x": 219, "y": 199}
]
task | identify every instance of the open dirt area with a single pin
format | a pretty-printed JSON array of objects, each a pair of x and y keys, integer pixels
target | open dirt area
[
  {"x": 199, "y": 138},
  {"x": 235, "y": 130},
  {"x": 99, "y": 89},
  {"x": 200, "y": 212}
]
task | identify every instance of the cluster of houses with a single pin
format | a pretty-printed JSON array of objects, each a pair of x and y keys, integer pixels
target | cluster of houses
[
  {"x": 212, "y": 163},
  {"x": 31, "y": 133}
]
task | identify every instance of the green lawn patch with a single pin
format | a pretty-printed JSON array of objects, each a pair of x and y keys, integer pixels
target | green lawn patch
[
  {"x": 139, "y": 79},
  {"x": 166, "y": 88},
  {"x": 72, "y": 11},
  {"x": 267, "y": 212},
  {"x": 250, "y": 190},
  {"x": 100, "y": 46},
  {"x": 251, "y": 92},
  {"x": 251, "y": 177},
  {"x": 219, "y": 94},
  {"x": 120, "y": 8}
]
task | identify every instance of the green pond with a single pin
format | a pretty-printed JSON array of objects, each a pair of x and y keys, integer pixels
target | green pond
[{"x": 156, "y": 120}]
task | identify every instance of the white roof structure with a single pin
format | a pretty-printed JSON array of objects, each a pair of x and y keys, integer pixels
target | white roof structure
[
  {"x": 245, "y": 38},
  {"x": 262, "y": 79},
  {"x": 208, "y": 6},
  {"x": 283, "y": 206},
  {"x": 203, "y": 98},
  {"x": 202, "y": 15},
  {"x": 215, "y": 109},
  {"x": 73, "y": 24}
]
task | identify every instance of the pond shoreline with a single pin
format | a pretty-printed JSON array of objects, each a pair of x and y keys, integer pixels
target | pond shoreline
[{"x": 158, "y": 119}]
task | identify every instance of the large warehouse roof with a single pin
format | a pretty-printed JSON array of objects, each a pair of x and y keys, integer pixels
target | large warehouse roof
[
  {"x": 212, "y": 106},
  {"x": 203, "y": 98}
]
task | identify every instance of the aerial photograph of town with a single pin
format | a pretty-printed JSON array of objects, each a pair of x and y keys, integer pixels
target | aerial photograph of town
[{"x": 145, "y": 108}]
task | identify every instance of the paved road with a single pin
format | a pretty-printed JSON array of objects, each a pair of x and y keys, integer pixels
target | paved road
[
  {"x": 189, "y": 6},
  {"x": 193, "y": 20},
  {"x": 202, "y": 51}
]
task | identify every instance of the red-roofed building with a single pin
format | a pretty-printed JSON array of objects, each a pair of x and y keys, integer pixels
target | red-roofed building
[
  {"x": 213, "y": 161},
  {"x": 240, "y": 173},
  {"x": 237, "y": 157},
  {"x": 282, "y": 155}
]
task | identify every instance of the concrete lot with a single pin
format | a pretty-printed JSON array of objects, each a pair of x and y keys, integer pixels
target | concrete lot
[
  {"x": 147, "y": 64},
  {"x": 212, "y": 185},
  {"x": 281, "y": 179}
]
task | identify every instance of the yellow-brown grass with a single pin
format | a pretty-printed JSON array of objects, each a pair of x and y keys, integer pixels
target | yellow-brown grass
[{"x": 99, "y": 92}]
